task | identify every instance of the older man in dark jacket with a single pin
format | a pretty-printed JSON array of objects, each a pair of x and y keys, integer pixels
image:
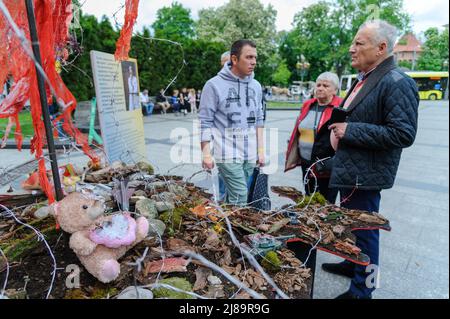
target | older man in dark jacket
[{"x": 382, "y": 110}]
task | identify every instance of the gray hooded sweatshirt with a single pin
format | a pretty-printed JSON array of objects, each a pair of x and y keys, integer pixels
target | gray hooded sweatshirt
[{"x": 230, "y": 112}]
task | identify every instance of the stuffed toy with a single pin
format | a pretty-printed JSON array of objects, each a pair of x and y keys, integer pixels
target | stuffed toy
[{"x": 98, "y": 240}]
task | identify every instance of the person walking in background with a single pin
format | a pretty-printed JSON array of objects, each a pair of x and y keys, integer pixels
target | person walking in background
[{"x": 192, "y": 100}]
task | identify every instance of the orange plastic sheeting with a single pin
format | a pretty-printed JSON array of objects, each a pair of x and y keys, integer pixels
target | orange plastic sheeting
[
  {"x": 123, "y": 45},
  {"x": 53, "y": 18}
]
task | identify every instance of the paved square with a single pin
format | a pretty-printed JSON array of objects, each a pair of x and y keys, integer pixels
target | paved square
[{"x": 414, "y": 256}]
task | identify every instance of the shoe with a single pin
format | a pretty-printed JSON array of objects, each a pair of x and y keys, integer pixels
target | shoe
[
  {"x": 349, "y": 295},
  {"x": 342, "y": 269}
]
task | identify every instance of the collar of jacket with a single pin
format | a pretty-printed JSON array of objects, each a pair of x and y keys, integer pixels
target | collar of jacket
[
  {"x": 375, "y": 76},
  {"x": 335, "y": 102}
]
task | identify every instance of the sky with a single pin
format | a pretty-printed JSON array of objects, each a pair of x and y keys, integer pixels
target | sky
[{"x": 425, "y": 14}]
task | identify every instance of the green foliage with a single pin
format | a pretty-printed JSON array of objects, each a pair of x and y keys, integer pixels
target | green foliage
[
  {"x": 174, "y": 23},
  {"x": 75, "y": 294},
  {"x": 146, "y": 167},
  {"x": 176, "y": 282},
  {"x": 26, "y": 125},
  {"x": 159, "y": 62},
  {"x": 24, "y": 239},
  {"x": 271, "y": 262},
  {"x": 308, "y": 200},
  {"x": 282, "y": 75},
  {"x": 227, "y": 24},
  {"x": 173, "y": 219},
  {"x": 93, "y": 35},
  {"x": 103, "y": 292},
  {"x": 405, "y": 64},
  {"x": 435, "y": 50},
  {"x": 323, "y": 32}
]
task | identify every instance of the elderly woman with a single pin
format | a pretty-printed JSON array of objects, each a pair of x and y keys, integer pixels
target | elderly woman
[{"x": 310, "y": 139}]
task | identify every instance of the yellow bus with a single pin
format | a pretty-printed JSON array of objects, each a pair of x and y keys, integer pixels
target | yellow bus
[{"x": 431, "y": 85}]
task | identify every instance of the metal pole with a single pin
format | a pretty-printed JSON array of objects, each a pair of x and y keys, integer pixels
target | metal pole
[
  {"x": 446, "y": 91},
  {"x": 43, "y": 98}
]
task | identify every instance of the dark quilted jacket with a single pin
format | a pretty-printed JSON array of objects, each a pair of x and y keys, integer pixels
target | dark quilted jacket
[{"x": 382, "y": 121}]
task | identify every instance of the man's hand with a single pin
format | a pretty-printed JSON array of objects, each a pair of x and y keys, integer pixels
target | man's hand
[
  {"x": 261, "y": 159},
  {"x": 338, "y": 129},
  {"x": 208, "y": 162}
]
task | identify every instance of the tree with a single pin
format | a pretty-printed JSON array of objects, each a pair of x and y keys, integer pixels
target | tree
[
  {"x": 435, "y": 50},
  {"x": 282, "y": 75},
  {"x": 92, "y": 35},
  {"x": 242, "y": 19},
  {"x": 405, "y": 65},
  {"x": 174, "y": 23},
  {"x": 323, "y": 32},
  {"x": 160, "y": 61}
]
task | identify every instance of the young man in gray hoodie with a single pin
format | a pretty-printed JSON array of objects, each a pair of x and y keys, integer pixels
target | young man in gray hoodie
[{"x": 231, "y": 118}]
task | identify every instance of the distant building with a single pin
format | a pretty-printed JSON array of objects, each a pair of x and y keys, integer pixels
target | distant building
[{"x": 408, "y": 48}]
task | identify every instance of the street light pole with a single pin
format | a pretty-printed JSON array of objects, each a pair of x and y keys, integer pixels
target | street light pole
[{"x": 43, "y": 99}]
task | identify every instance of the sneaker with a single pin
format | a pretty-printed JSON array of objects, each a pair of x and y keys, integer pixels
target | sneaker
[
  {"x": 349, "y": 295},
  {"x": 342, "y": 269}
]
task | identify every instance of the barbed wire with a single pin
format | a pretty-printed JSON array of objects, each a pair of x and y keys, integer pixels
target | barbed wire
[
  {"x": 8, "y": 213},
  {"x": 128, "y": 154}
]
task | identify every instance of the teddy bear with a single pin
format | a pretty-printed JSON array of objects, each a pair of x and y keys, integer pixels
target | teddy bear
[{"x": 98, "y": 240}]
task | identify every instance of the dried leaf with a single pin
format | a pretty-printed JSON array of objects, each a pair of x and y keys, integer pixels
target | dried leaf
[
  {"x": 228, "y": 269},
  {"x": 327, "y": 236},
  {"x": 249, "y": 279},
  {"x": 203, "y": 211},
  {"x": 338, "y": 230},
  {"x": 178, "y": 245},
  {"x": 243, "y": 295},
  {"x": 226, "y": 259},
  {"x": 263, "y": 227},
  {"x": 215, "y": 291},
  {"x": 238, "y": 269},
  {"x": 259, "y": 282},
  {"x": 372, "y": 219},
  {"x": 167, "y": 265},
  {"x": 212, "y": 239},
  {"x": 201, "y": 280},
  {"x": 278, "y": 225}
]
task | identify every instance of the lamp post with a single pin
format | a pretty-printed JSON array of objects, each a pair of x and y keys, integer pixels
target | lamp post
[
  {"x": 445, "y": 65},
  {"x": 303, "y": 66}
]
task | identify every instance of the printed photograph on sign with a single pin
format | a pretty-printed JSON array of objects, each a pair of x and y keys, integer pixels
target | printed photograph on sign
[{"x": 131, "y": 85}]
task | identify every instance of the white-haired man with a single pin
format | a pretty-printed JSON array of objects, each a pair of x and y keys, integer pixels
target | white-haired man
[{"x": 382, "y": 111}]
